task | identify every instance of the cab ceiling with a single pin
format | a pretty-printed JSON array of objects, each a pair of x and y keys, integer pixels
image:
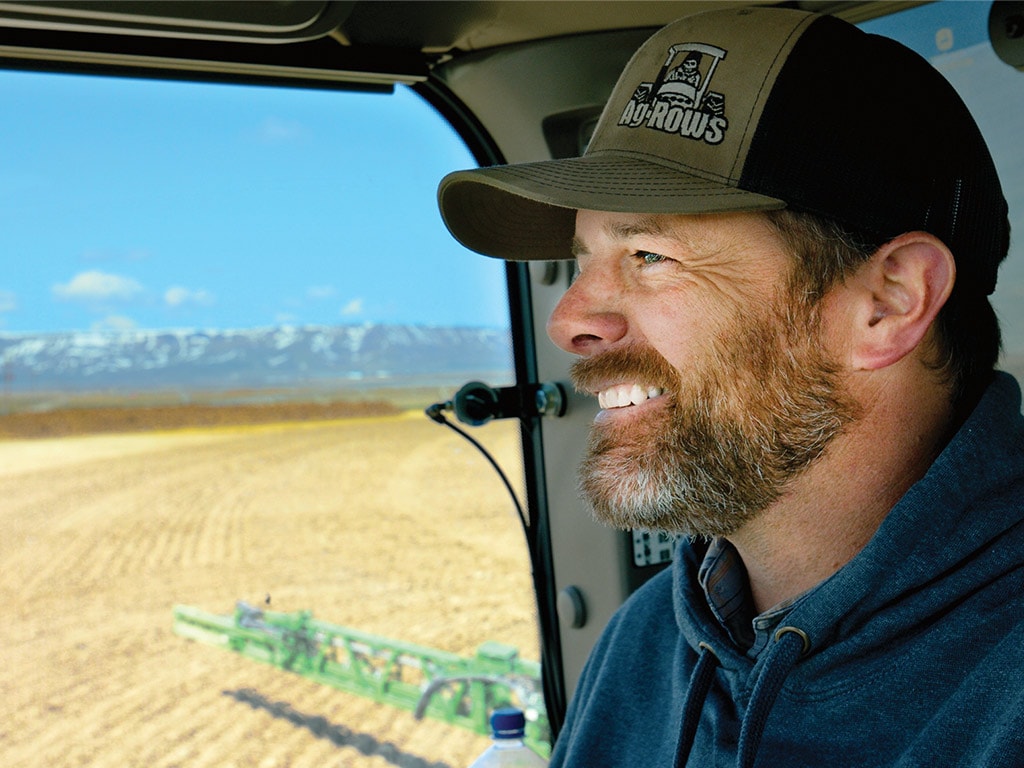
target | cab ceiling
[
  {"x": 439, "y": 26},
  {"x": 351, "y": 41},
  {"x": 443, "y": 27}
]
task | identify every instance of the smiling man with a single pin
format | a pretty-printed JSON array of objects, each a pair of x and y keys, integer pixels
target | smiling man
[{"x": 782, "y": 310}]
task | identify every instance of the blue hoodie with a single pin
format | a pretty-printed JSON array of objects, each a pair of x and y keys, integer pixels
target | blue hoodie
[{"x": 912, "y": 654}]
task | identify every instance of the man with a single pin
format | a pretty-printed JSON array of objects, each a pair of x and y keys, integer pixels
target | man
[
  {"x": 782, "y": 308},
  {"x": 687, "y": 72}
]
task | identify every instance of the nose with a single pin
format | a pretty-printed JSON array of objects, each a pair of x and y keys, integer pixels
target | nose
[{"x": 586, "y": 319}]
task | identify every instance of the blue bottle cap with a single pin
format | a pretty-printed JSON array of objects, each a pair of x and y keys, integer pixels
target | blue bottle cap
[{"x": 508, "y": 723}]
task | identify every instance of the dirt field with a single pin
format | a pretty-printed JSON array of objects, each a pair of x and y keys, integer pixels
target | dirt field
[{"x": 390, "y": 524}]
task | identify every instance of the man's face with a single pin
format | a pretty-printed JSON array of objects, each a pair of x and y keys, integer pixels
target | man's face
[{"x": 715, "y": 389}]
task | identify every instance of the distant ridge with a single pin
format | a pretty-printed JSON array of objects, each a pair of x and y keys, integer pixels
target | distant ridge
[{"x": 284, "y": 356}]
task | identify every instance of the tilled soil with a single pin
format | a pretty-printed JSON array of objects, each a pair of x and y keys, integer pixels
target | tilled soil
[{"x": 393, "y": 525}]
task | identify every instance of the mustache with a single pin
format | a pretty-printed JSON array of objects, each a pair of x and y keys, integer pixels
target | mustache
[{"x": 636, "y": 362}]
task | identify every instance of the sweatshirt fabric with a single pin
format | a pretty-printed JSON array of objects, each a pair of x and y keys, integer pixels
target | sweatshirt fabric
[{"x": 911, "y": 654}]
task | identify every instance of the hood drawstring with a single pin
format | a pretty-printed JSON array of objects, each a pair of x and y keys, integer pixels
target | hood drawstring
[
  {"x": 700, "y": 683},
  {"x": 790, "y": 644}
]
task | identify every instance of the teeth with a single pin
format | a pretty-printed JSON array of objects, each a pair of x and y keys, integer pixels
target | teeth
[{"x": 626, "y": 394}]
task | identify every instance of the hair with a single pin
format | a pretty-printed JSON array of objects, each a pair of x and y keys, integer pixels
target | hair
[{"x": 966, "y": 342}]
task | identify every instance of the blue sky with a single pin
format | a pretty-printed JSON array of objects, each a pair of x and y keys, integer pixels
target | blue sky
[{"x": 144, "y": 204}]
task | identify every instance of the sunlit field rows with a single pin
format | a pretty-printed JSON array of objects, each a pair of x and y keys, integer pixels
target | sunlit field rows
[{"x": 392, "y": 525}]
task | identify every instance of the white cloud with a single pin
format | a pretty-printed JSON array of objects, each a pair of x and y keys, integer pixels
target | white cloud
[
  {"x": 115, "y": 323},
  {"x": 354, "y": 307},
  {"x": 98, "y": 286},
  {"x": 176, "y": 296},
  {"x": 8, "y": 301}
]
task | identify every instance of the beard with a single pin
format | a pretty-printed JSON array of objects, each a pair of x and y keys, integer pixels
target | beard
[{"x": 730, "y": 434}]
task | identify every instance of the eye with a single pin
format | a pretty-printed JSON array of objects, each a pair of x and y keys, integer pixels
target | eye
[{"x": 646, "y": 258}]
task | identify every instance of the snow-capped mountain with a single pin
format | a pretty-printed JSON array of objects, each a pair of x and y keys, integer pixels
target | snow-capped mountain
[{"x": 282, "y": 356}]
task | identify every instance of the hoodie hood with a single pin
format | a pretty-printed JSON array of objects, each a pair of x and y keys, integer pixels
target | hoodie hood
[
  {"x": 936, "y": 573},
  {"x": 930, "y": 551}
]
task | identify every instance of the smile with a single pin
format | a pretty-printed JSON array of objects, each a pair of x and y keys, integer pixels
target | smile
[{"x": 626, "y": 395}]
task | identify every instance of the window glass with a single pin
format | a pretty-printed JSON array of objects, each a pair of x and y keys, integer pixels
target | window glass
[
  {"x": 953, "y": 36},
  {"x": 223, "y": 310}
]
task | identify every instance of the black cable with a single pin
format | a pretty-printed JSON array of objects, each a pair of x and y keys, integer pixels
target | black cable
[{"x": 435, "y": 412}]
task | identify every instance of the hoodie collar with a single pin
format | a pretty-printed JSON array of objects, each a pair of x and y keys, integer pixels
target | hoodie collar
[{"x": 723, "y": 578}]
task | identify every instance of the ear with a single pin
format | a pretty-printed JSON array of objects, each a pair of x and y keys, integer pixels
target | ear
[{"x": 896, "y": 296}]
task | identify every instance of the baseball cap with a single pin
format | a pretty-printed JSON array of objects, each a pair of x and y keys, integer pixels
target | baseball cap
[{"x": 754, "y": 109}]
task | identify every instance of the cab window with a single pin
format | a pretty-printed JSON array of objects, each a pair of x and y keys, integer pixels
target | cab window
[{"x": 231, "y": 535}]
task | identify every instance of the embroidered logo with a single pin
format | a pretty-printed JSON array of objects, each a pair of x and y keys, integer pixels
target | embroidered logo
[{"x": 678, "y": 101}]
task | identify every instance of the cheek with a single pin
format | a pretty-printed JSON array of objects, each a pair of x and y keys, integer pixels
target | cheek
[{"x": 685, "y": 330}]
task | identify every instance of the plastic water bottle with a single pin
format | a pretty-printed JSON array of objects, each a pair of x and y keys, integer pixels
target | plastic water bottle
[{"x": 507, "y": 749}]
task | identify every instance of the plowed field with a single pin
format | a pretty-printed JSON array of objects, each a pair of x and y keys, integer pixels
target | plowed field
[{"x": 393, "y": 525}]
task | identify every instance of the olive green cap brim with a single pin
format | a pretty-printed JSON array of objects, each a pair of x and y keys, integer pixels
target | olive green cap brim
[{"x": 527, "y": 212}]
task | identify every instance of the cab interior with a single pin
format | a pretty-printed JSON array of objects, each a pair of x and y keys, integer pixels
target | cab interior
[{"x": 516, "y": 82}]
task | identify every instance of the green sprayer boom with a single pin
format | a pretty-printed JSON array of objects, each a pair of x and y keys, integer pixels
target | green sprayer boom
[{"x": 429, "y": 682}]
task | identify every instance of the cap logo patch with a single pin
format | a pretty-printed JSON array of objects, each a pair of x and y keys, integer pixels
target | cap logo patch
[{"x": 678, "y": 101}]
